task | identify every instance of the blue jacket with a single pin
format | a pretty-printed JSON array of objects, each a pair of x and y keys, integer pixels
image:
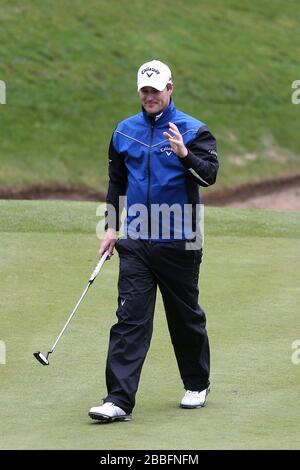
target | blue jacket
[{"x": 143, "y": 167}]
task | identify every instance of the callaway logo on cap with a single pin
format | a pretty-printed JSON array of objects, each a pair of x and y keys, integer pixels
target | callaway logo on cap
[{"x": 155, "y": 74}]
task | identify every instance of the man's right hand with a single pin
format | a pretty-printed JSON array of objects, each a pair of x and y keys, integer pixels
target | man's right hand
[{"x": 108, "y": 242}]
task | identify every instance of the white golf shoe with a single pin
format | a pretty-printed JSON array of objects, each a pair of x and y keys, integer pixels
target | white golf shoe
[
  {"x": 194, "y": 399},
  {"x": 109, "y": 412}
]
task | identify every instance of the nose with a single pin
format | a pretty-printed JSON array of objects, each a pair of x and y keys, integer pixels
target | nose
[
  {"x": 150, "y": 97},
  {"x": 149, "y": 94}
]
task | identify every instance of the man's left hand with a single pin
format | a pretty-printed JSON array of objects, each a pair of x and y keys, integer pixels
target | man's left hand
[{"x": 176, "y": 141}]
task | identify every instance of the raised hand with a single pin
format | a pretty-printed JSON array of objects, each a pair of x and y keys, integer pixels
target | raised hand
[{"x": 176, "y": 141}]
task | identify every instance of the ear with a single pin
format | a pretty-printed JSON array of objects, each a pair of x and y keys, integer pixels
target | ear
[{"x": 170, "y": 87}]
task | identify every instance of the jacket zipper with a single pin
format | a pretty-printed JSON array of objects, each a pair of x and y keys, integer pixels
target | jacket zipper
[{"x": 148, "y": 192}]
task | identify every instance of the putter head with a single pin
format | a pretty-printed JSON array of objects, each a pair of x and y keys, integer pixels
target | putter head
[{"x": 41, "y": 358}]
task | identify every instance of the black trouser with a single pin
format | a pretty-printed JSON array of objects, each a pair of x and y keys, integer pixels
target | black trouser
[{"x": 143, "y": 266}]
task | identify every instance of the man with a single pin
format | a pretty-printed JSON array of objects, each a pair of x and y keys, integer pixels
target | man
[{"x": 157, "y": 161}]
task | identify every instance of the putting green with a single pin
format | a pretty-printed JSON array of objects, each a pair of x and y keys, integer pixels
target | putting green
[{"x": 249, "y": 287}]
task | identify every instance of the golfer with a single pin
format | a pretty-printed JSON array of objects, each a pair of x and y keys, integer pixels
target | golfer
[{"x": 158, "y": 158}]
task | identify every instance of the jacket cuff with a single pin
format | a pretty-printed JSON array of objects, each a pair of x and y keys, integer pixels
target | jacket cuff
[
  {"x": 190, "y": 161},
  {"x": 111, "y": 221}
]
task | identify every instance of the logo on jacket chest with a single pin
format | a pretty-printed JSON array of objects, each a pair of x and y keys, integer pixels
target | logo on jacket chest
[{"x": 168, "y": 150}]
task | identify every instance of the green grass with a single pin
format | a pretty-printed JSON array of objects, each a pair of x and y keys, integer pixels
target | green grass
[
  {"x": 249, "y": 290},
  {"x": 70, "y": 70}
]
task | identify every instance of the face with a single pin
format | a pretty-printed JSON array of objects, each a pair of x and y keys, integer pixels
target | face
[{"x": 154, "y": 101}]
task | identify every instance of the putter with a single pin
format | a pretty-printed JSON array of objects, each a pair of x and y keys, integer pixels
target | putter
[{"x": 40, "y": 356}]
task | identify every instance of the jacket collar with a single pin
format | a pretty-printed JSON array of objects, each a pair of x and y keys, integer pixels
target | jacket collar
[{"x": 165, "y": 117}]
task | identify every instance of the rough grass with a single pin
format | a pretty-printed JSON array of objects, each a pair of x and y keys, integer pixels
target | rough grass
[{"x": 70, "y": 70}]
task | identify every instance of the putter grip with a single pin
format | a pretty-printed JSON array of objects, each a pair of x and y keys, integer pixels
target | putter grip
[{"x": 99, "y": 266}]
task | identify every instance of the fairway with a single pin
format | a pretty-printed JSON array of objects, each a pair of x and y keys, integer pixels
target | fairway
[{"x": 249, "y": 289}]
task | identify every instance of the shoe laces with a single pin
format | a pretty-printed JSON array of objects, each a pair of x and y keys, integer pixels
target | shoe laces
[{"x": 108, "y": 403}]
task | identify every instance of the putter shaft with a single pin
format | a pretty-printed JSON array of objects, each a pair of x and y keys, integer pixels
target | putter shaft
[{"x": 44, "y": 359}]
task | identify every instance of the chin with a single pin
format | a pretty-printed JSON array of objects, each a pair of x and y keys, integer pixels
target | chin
[{"x": 154, "y": 110}]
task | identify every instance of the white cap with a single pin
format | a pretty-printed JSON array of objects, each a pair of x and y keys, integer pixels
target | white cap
[{"x": 155, "y": 74}]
